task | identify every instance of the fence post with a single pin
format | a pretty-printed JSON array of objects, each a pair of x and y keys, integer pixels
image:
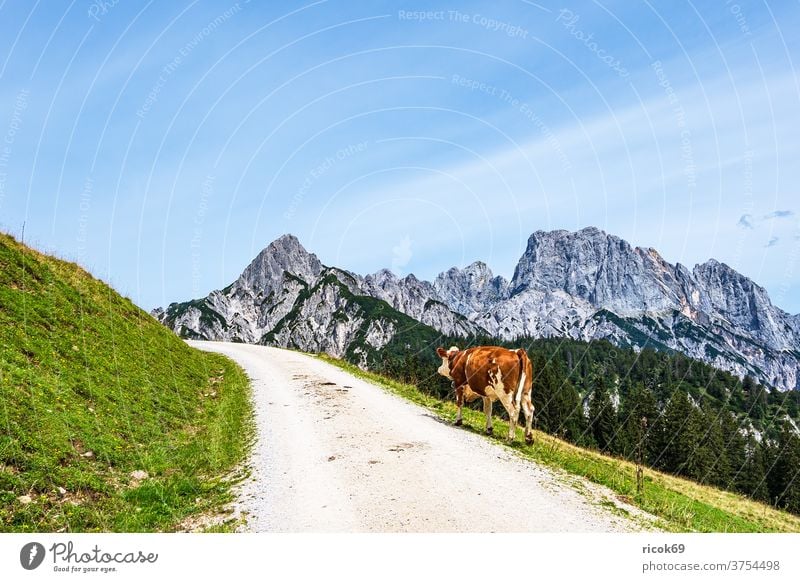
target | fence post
[{"x": 639, "y": 456}]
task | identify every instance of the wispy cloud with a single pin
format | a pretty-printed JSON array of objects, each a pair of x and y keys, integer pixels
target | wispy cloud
[
  {"x": 746, "y": 221},
  {"x": 772, "y": 242},
  {"x": 779, "y": 214},
  {"x": 401, "y": 255}
]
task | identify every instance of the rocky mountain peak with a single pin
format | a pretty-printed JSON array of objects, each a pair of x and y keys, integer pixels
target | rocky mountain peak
[
  {"x": 417, "y": 299},
  {"x": 284, "y": 254},
  {"x": 714, "y": 269},
  {"x": 601, "y": 269},
  {"x": 478, "y": 271},
  {"x": 384, "y": 274},
  {"x": 386, "y": 279},
  {"x": 586, "y": 247},
  {"x": 742, "y": 303},
  {"x": 724, "y": 285},
  {"x": 472, "y": 289}
]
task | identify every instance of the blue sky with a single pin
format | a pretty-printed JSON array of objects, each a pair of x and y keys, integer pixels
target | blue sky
[{"x": 162, "y": 145}]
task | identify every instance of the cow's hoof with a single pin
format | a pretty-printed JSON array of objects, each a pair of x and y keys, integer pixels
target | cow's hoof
[
  {"x": 528, "y": 439},
  {"x": 459, "y": 422},
  {"x": 489, "y": 430}
]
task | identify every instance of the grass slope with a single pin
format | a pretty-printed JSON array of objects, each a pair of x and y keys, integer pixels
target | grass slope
[
  {"x": 92, "y": 389},
  {"x": 682, "y": 505}
]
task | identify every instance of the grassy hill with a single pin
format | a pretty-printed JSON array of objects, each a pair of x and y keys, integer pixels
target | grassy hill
[{"x": 93, "y": 394}]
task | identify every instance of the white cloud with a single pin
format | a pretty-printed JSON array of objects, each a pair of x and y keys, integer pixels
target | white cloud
[{"x": 635, "y": 172}]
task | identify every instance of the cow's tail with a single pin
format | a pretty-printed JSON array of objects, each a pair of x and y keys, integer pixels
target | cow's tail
[{"x": 524, "y": 365}]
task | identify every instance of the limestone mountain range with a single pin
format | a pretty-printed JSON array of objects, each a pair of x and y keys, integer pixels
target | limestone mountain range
[{"x": 584, "y": 285}]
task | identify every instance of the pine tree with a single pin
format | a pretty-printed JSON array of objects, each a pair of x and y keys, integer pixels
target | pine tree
[
  {"x": 736, "y": 398},
  {"x": 602, "y": 416},
  {"x": 556, "y": 401},
  {"x": 756, "y": 403},
  {"x": 543, "y": 395},
  {"x": 785, "y": 485},
  {"x": 570, "y": 412},
  {"x": 710, "y": 462},
  {"x": 752, "y": 480},
  {"x": 680, "y": 434},
  {"x": 638, "y": 403},
  {"x": 735, "y": 449}
]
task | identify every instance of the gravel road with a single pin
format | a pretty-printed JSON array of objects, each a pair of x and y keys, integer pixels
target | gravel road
[{"x": 338, "y": 454}]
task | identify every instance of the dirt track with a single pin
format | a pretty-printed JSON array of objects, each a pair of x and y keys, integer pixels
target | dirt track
[{"x": 339, "y": 454}]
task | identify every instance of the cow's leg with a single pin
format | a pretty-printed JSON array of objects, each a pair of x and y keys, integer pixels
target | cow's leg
[
  {"x": 487, "y": 410},
  {"x": 459, "y": 404},
  {"x": 527, "y": 408},
  {"x": 513, "y": 413}
]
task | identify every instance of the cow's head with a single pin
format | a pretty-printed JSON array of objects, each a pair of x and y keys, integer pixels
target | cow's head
[{"x": 447, "y": 359}]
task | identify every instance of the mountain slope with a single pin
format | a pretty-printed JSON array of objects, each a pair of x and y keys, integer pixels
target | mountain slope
[
  {"x": 93, "y": 390},
  {"x": 287, "y": 298}
]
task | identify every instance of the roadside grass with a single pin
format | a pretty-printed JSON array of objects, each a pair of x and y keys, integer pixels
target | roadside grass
[
  {"x": 681, "y": 505},
  {"x": 93, "y": 389}
]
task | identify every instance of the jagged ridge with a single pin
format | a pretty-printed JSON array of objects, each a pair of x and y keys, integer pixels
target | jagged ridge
[{"x": 286, "y": 297}]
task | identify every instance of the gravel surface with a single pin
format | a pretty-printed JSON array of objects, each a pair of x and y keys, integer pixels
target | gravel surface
[{"x": 335, "y": 453}]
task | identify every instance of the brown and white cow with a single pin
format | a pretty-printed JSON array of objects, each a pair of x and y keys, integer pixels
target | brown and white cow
[{"x": 492, "y": 373}]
